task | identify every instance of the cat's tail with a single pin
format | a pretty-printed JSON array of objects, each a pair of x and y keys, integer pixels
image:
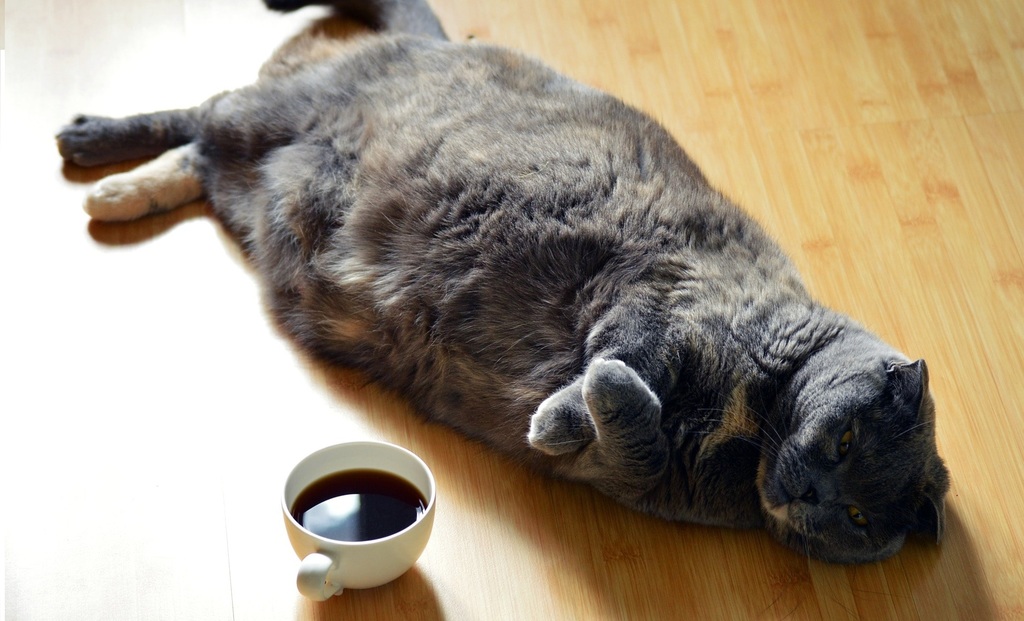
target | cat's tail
[{"x": 413, "y": 17}]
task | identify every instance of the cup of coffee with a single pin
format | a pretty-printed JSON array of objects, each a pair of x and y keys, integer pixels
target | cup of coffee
[{"x": 358, "y": 514}]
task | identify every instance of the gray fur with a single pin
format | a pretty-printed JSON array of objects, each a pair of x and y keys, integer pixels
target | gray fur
[{"x": 540, "y": 266}]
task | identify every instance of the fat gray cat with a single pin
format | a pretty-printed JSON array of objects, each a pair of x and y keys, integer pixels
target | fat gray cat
[{"x": 542, "y": 267}]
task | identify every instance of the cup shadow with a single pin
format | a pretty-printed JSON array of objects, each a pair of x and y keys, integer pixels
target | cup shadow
[{"x": 411, "y": 595}]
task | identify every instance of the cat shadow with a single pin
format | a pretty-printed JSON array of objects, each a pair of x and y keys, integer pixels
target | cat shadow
[
  {"x": 91, "y": 174},
  {"x": 971, "y": 594},
  {"x": 629, "y": 565},
  {"x": 925, "y": 575},
  {"x": 145, "y": 229}
]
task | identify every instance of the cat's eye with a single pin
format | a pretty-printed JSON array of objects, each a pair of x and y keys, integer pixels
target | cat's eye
[
  {"x": 845, "y": 442},
  {"x": 856, "y": 516}
]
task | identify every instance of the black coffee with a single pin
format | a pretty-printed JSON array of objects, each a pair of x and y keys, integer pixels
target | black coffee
[{"x": 358, "y": 505}]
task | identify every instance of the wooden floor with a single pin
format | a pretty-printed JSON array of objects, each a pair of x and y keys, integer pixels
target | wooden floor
[{"x": 151, "y": 410}]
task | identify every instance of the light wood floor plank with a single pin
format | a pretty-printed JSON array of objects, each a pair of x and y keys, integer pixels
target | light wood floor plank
[{"x": 151, "y": 408}]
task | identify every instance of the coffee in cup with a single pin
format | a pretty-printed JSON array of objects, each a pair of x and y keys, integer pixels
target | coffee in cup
[{"x": 358, "y": 514}]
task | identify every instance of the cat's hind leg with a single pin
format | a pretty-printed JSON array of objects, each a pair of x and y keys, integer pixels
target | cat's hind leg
[
  {"x": 167, "y": 182},
  {"x": 96, "y": 140}
]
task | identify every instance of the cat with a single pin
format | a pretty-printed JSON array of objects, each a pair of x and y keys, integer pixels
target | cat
[{"x": 540, "y": 266}]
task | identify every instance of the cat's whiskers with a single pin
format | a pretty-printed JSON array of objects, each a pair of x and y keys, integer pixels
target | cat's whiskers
[
  {"x": 767, "y": 429},
  {"x": 912, "y": 428},
  {"x": 747, "y": 439},
  {"x": 771, "y": 436},
  {"x": 767, "y": 438},
  {"x": 756, "y": 442}
]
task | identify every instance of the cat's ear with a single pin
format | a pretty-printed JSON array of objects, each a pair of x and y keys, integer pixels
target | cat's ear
[
  {"x": 908, "y": 383},
  {"x": 931, "y": 517},
  {"x": 931, "y": 513}
]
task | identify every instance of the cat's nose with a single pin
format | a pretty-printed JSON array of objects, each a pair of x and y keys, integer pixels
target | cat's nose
[{"x": 810, "y": 496}]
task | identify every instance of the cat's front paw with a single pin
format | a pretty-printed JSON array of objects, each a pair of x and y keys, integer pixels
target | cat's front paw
[
  {"x": 562, "y": 424},
  {"x": 631, "y": 452},
  {"x": 616, "y": 396},
  {"x": 609, "y": 400}
]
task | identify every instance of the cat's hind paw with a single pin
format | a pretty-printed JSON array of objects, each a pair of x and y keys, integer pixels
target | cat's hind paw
[
  {"x": 118, "y": 199},
  {"x": 89, "y": 141},
  {"x": 165, "y": 183}
]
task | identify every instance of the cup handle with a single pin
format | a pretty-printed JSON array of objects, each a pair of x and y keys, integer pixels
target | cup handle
[{"x": 313, "y": 580}]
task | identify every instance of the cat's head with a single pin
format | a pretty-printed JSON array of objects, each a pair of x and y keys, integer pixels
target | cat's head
[{"x": 854, "y": 468}]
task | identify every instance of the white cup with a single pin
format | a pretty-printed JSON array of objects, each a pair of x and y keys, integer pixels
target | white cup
[{"x": 329, "y": 566}]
